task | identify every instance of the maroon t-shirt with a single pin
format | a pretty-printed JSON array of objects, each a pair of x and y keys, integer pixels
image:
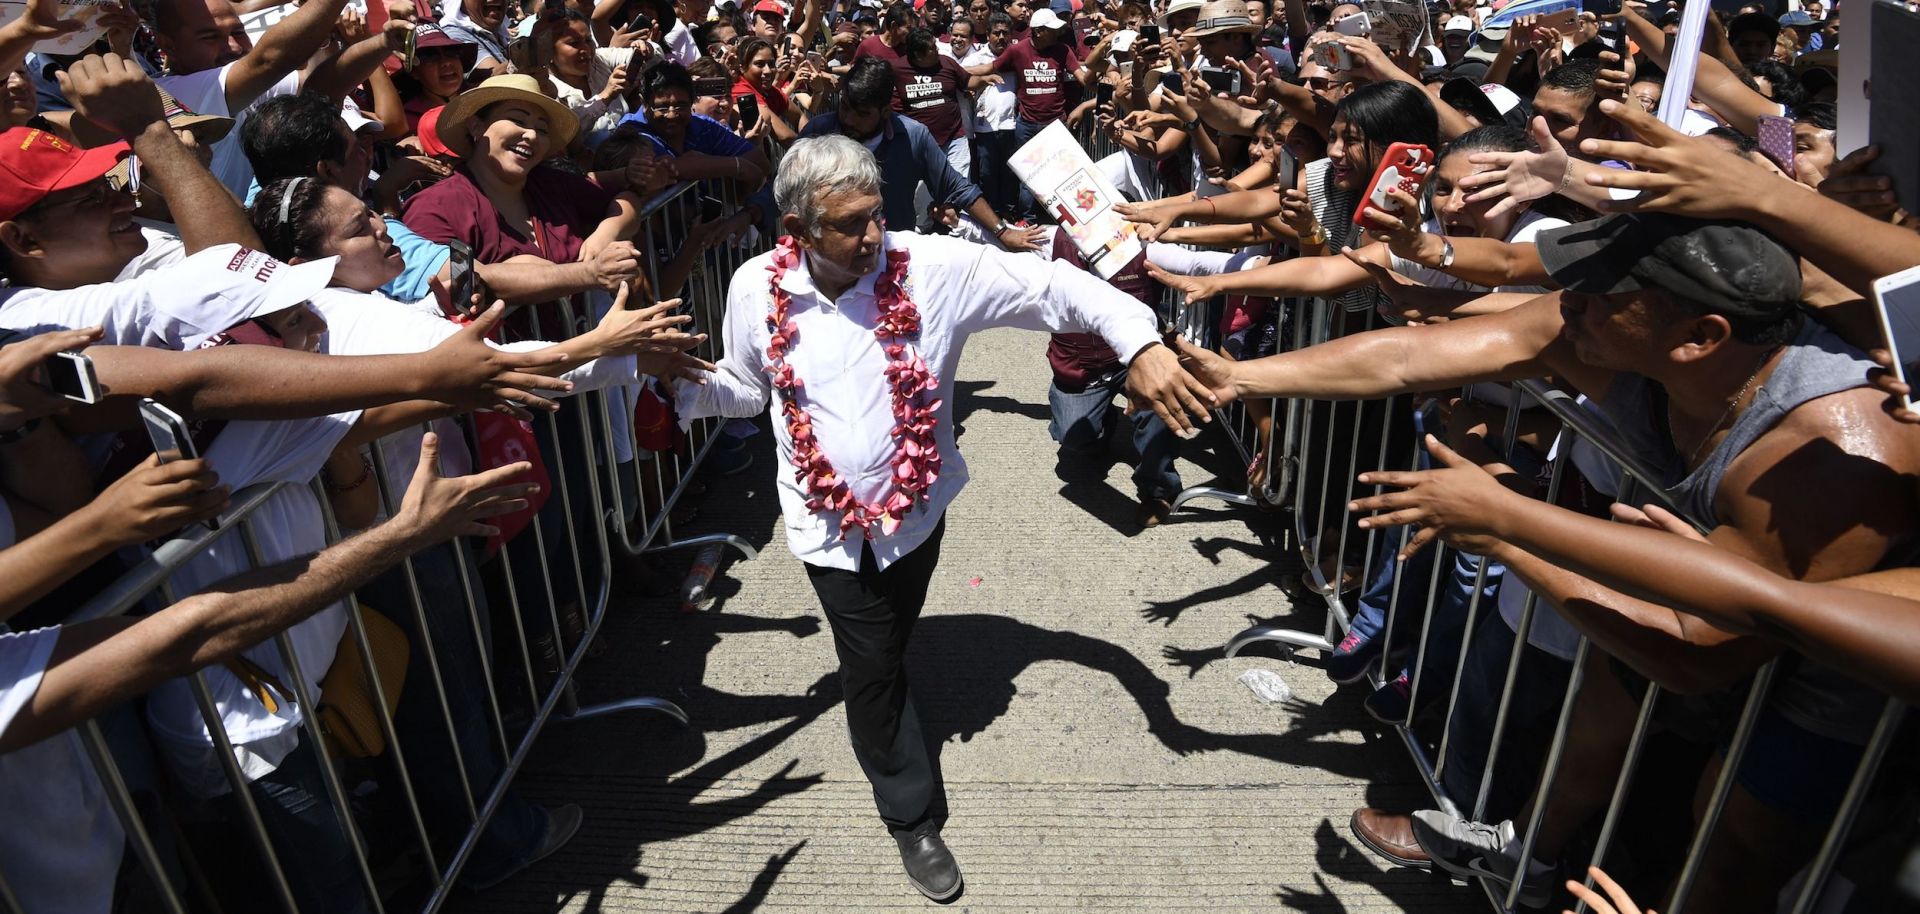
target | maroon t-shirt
[
  {"x": 931, "y": 95},
  {"x": 872, "y": 46},
  {"x": 1039, "y": 78},
  {"x": 1078, "y": 358},
  {"x": 566, "y": 208}
]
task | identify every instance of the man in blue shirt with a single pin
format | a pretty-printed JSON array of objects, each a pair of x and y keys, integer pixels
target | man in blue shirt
[{"x": 908, "y": 155}]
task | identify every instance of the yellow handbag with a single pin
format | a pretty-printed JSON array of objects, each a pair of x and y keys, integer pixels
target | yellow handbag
[{"x": 346, "y": 712}]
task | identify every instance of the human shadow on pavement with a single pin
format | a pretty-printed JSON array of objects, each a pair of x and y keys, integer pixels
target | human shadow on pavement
[
  {"x": 963, "y": 669},
  {"x": 763, "y": 883}
]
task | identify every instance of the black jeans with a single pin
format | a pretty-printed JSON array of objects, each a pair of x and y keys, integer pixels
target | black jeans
[
  {"x": 992, "y": 155},
  {"x": 872, "y": 613}
]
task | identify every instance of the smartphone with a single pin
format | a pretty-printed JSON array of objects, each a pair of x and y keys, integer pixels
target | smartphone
[
  {"x": 711, "y": 209},
  {"x": 1103, "y": 95},
  {"x": 642, "y": 22},
  {"x": 1221, "y": 80},
  {"x": 172, "y": 439},
  {"x": 1358, "y": 25},
  {"x": 1150, "y": 33},
  {"x": 636, "y": 62},
  {"x": 819, "y": 62},
  {"x": 1776, "y": 141},
  {"x": 1173, "y": 82},
  {"x": 1560, "y": 20},
  {"x": 408, "y": 50},
  {"x": 462, "y": 279},
  {"x": 711, "y": 87},
  {"x": 1407, "y": 166},
  {"x": 749, "y": 108},
  {"x": 70, "y": 374},
  {"x": 1897, "y": 299},
  {"x": 1333, "y": 55}
]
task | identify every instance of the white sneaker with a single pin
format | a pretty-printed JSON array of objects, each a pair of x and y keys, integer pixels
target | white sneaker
[{"x": 1477, "y": 850}]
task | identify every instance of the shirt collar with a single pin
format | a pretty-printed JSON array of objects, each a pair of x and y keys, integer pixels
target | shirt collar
[{"x": 799, "y": 280}]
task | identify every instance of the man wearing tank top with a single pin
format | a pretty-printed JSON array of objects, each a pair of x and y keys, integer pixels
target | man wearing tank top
[{"x": 1690, "y": 337}]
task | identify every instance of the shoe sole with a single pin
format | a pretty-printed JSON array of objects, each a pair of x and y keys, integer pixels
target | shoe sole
[
  {"x": 1387, "y": 855},
  {"x": 949, "y": 895},
  {"x": 1354, "y": 677},
  {"x": 1529, "y": 896},
  {"x": 1376, "y": 716}
]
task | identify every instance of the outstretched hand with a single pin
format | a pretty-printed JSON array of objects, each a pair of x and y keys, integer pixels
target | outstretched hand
[
  {"x": 1156, "y": 379},
  {"x": 1461, "y": 502},
  {"x": 1675, "y": 173},
  {"x": 439, "y": 508},
  {"x": 1518, "y": 178},
  {"x": 1197, "y": 288},
  {"x": 1206, "y": 366},
  {"x": 470, "y": 374}
]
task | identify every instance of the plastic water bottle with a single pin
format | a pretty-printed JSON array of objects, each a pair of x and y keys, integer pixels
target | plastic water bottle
[{"x": 693, "y": 590}]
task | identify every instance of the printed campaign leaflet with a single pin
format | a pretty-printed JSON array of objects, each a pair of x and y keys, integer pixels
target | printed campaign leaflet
[
  {"x": 84, "y": 11},
  {"x": 1399, "y": 26},
  {"x": 1065, "y": 181}
]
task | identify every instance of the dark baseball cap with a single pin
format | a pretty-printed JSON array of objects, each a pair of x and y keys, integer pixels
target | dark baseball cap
[{"x": 1729, "y": 268}]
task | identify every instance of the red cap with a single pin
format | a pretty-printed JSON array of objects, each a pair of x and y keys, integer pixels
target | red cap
[
  {"x": 429, "y": 133},
  {"x": 771, "y": 6},
  {"x": 35, "y": 163}
]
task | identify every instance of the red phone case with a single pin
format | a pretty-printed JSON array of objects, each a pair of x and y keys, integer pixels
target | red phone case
[{"x": 1408, "y": 166}]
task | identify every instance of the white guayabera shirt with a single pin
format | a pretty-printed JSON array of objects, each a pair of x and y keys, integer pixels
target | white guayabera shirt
[{"x": 959, "y": 288}]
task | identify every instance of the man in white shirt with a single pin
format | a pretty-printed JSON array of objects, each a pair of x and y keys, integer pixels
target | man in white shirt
[
  {"x": 993, "y": 117},
  {"x": 861, "y": 364},
  {"x": 216, "y": 69}
]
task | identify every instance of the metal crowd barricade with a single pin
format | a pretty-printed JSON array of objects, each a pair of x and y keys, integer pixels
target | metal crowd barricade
[
  {"x": 574, "y": 557},
  {"x": 1325, "y": 444}
]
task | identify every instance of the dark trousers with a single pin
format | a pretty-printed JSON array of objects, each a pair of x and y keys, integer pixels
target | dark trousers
[
  {"x": 992, "y": 155},
  {"x": 872, "y": 614}
]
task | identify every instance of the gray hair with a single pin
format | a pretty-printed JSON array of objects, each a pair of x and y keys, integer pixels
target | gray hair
[{"x": 817, "y": 166}]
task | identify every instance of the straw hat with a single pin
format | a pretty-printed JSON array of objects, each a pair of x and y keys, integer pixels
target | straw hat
[
  {"x": 513, "y": 87},
  {"x": 1221, "y": 17}
]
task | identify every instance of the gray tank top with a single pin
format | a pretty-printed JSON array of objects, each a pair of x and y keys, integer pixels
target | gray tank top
[{"x": 1817, "y": 363}]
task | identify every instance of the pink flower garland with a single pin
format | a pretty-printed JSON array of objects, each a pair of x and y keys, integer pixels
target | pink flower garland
[{"x": 916, "y": 456}]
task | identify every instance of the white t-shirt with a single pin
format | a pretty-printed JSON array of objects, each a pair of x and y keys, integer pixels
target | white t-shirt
[
  {"x": 205, "y": 92},
  {"x": 994, "y": 106},
  {"x": 164, "y": 248},
  {"x": 60, "y": 842},
  {"x": 681, "y": 45}
]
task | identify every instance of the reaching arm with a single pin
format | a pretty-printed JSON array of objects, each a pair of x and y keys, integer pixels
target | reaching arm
[
  {"x": 1323, "y": 276},
  {"x": 1521, "y": 343},
  {"x": 335, "y": 76},
  {"x": 115, "y": 94},
  {"x": 99, "y": 664},
  {"x": 283, "y": 49},
  {"x": 1713, "y": 83}
]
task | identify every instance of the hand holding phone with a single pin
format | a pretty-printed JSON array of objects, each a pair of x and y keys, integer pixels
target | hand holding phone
[
  {"x": 171, "y": 436},
  {"x": 463, "y": 281},
  {"x": 1896, "y": 301},
  {"x": 1406, "y": 167},
  {"x": 1358, "y": 25},
  {"x": 749, "y": 108},
  {"x": 71, "y": 375}
]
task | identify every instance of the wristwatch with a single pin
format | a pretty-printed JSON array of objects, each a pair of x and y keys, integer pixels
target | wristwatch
[
  {"x": 1315, "y": 238},
  {"x": 1446, "y": 253}
]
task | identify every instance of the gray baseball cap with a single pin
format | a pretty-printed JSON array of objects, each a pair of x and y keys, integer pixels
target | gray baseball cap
[{"x": 1730, "y": 268}]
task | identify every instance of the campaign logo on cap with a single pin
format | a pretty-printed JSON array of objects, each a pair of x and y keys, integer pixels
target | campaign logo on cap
[{"x": 35, "y": 163}]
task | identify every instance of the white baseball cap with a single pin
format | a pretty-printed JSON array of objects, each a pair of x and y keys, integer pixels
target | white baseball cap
[
  {"x": 1458, "y": 24},
  {"x": 228, "y": 284},
  {"x": 1123, "y": 41},
  {"x": 1045, "y": 19},
  {"x": 1180, "y": 6}
]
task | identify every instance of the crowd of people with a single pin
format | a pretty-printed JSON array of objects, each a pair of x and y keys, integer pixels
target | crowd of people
[{"x": 343, "y": 243}]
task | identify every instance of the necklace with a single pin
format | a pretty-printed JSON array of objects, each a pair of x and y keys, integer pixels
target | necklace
[
  {"x": 1693, "y": 460},
  {"x": 916, "y": 456}
]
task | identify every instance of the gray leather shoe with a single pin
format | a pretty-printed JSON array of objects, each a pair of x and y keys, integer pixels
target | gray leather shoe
[{"x": 930, "y": 866}]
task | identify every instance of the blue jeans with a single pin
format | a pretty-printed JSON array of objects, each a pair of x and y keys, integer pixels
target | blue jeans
[
  {"x": 1082, "y": 422},
  {"x": 307, "y": 836},
  {"x": 993, "y": 150},
  {"x": 1540, "y": 685},
  {"x": 1024, "y": 130},
  {"x": 517, "y": 826}
]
